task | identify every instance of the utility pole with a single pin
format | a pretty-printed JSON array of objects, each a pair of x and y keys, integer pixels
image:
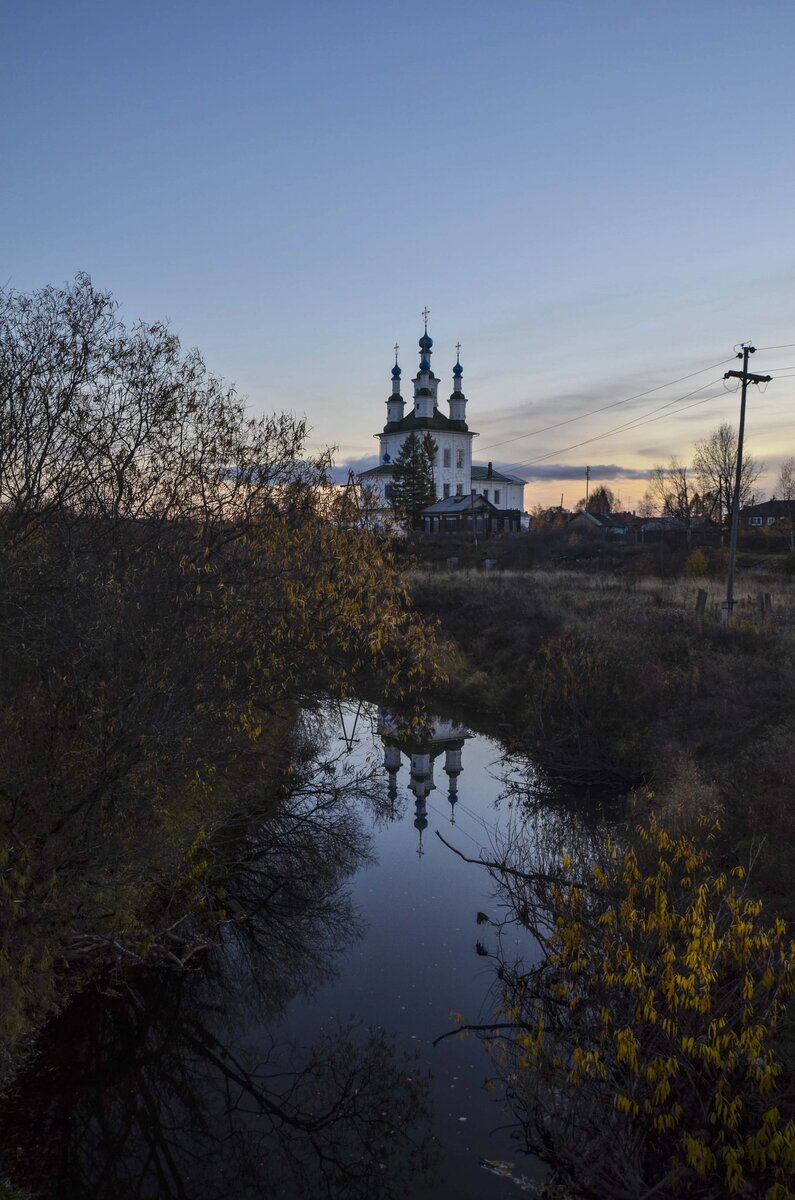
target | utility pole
[
  {"x": 587, "y": 482},
  {"x": 746, "y": 378}
]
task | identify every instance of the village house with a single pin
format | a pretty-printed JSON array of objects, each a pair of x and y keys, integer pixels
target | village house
[
  {"x": 770, "y": 512},
  {"x": 608, "y": 525}
]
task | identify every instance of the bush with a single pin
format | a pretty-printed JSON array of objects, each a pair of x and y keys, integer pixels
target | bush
[
  {"x": 696, "y": 565},
  {"x": 589, "y": 710},
  {"x": 642, "y": 1056},
  {"x": 718, "y": 562}
]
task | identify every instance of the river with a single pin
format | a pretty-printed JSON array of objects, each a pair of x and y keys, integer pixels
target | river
[{"x": 300, "y": 1060}]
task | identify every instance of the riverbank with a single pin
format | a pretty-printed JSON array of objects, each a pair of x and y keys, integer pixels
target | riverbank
[{"x": 614, "y": 680}]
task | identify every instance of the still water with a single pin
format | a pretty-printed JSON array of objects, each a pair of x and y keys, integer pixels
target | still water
[{"x": 300, "y": 1060}]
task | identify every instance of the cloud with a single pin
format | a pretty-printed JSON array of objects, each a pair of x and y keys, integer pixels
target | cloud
[
  {"x": 537, "y": 473},
  {"x": 599, "y": 472}
]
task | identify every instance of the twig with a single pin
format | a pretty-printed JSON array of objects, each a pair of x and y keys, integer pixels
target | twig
[{"x": 503, "y": 869}]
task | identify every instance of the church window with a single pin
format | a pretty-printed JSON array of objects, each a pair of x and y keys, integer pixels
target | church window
[
  {"x": 446, "y": 486},
  {"x": 459, "y": 489},
  {"x": 447, "y": 457},
  {"x": 485, "y": 493},
  {"x": 388, "y": 492},
  {"x": 459, "y": 458},
  {"x": 496, "y": 495}
]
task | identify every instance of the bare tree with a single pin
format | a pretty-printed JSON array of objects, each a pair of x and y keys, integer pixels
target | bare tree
[
  {"x": 786, "y": 491},
  {"x": 648, "y": 505},
  {"x": 672, "y": 491},
  {"x": 715, "y": 467}
]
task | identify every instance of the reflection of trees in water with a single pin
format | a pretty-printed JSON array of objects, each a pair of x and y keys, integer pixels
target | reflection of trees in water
[
  {"x": 282, "y": 887},
  {"x": 540, "y": 829},
  {"x": 149, "y": 1088},
  {"x": 543, "y": 837},
  {"x": 144, "y": 1094}
]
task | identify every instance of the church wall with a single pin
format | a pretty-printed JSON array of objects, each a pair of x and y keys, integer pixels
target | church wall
[
  {"x": 511, "y": 494},
  {"x": 376, "y": 489},
  {"x": 453, "y": 475}
]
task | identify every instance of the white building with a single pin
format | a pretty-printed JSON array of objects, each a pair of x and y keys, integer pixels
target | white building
[{"x": 454, "y": 472}]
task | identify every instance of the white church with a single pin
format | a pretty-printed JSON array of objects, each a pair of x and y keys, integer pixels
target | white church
[{"x": 465, "y": 491}]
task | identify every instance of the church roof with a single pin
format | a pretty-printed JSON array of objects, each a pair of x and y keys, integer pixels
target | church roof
[
  {"x": 381, "y": 469},
  {"x": 438, "y": 421},
  {"x": 481, "y": 475}
]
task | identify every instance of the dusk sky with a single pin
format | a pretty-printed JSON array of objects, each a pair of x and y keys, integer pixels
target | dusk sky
[{"x": 595, "y": 198}]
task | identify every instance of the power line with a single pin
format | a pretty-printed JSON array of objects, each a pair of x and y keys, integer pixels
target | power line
[
  {"x": 443, "y": 817},
  {"x": 635, "y": 423},
  {"x": 604, "y": 408}
]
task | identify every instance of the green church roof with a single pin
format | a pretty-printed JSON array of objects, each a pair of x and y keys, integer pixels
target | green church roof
[
  {"x": 481, "y": 475},
  {"x": 438, "y": 421}
]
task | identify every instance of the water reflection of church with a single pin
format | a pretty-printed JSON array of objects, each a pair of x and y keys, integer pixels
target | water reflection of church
[{"x": 441, "y": 736}]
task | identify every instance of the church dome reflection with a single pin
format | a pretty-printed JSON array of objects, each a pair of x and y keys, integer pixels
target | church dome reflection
[{"x": 440, "y": 739}]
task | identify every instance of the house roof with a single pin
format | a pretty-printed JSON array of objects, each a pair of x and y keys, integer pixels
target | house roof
[
  {"x": 768, "y": 508},
  {"x": 453, "y": 505},
  {"x": 600, "y": 519},
  {"x": 665, "y": 524},
  {"x": 615, "y": 521}
]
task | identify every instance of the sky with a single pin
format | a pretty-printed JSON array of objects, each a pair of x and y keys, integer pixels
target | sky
[{"x": 595, "y": 198}]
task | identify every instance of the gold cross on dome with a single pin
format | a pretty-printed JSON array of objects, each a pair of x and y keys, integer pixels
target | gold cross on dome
[
  {"x": 457, "y": 351},
  {"x": 425, "y": 313},
  {"x": 396, "y": 350}
]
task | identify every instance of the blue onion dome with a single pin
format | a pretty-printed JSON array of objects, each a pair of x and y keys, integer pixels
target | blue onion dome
[
  {"x": 424, "y": 364},
  {"x": 426, "y": 341},
  {"x": 458, "y": 370},
  {"x": 396, "y": 372}
]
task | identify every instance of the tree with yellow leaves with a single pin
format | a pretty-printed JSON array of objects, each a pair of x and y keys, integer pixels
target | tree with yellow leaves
[{"x": 640, "y": 1055}]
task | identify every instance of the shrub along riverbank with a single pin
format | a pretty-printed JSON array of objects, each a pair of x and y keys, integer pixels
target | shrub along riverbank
[
  {"x": 648, "y": 1050},
  {"x": 614, "y": 680}
]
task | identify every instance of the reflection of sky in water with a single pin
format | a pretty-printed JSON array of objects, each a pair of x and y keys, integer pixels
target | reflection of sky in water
[
  {"x": 213, "y": 1050},
  {"x": 416, "y": 963}
]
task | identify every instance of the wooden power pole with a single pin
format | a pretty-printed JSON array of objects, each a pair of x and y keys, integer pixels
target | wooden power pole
[{"x": 746, "y": 378}]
